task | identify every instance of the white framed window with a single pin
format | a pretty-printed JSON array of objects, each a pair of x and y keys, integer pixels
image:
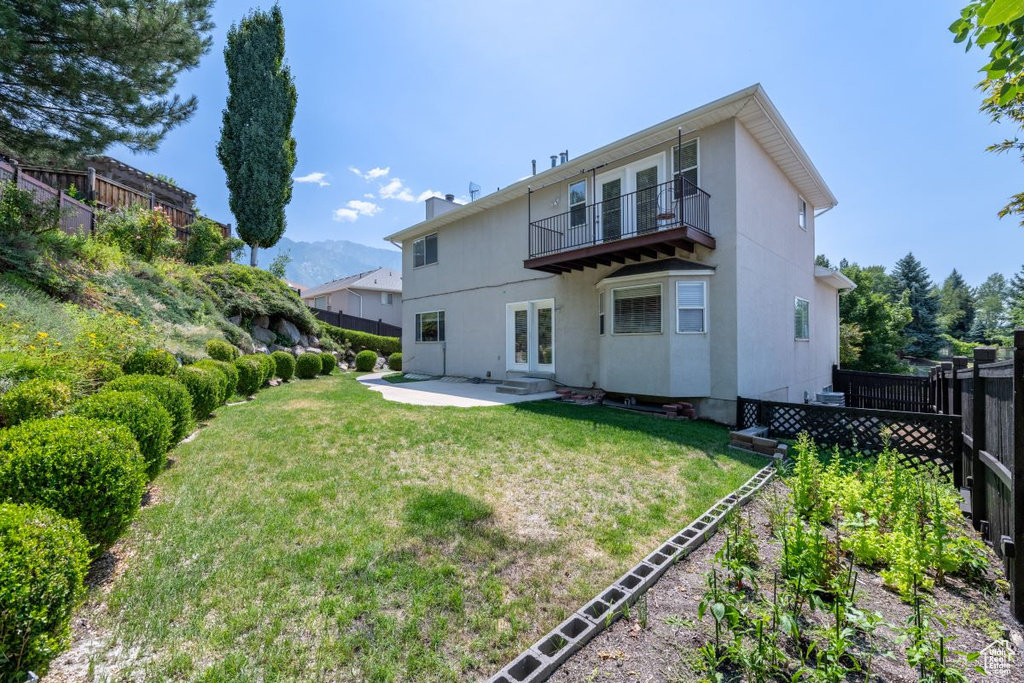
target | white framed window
[
  {"x": 578, "y": 203},
  {"x": 430, "y": 326},
  {"x": 424, "y": 251},
  {"x": 320, "y": 302},
  {"x": 801, "y": 212},
  {"x": 600, "y": 313},
  {"x": 387, "y": 298},
  {"x": 636, "y": 310},
  {"x": 686, "y": 160},
  {"x": 691, "y": 307},
  {"x": 802, "y": 319}
]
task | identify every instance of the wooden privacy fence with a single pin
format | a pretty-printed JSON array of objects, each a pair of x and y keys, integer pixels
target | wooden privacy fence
[
  {"x": 352, "y": 322},
  {"x": 923, "y": 439},
  {"x": 76, "y": 218},
  {"x": 884, "y": 391}
]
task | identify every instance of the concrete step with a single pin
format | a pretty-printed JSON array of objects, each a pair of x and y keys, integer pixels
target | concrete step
[{"x": 525, "y": 385}]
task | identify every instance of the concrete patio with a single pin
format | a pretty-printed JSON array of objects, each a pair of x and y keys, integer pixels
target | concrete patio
[{"x": 446, "y": 393}]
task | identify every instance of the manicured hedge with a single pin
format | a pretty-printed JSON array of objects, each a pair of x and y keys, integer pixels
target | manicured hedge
[
  {"x": 152, "y": 362},
  {"x": 308, "y": 365},
  {"x": 328, "y": 363},
  {"x": 171, "y": 394},
  {"x": 142, "y": 414},
  {"x": 250, "y": 375},
  {"x": 284, "y": 364},
  {"x": 33, "y": 398},
  {"x": 102, "y": 372},
  {"x": 84, "y": 469},
  {"x": 43, "y": 561},
  {"x": 395, "y": 361},
  {"x": 219, "y": 349},
  {"x": 267, "y": 367},
  {"x": 229, "y": 371},
  {"x": 385, "y": 346},
  {"x": 206, "y": 386},
  {"x": 366, "y": 360}
]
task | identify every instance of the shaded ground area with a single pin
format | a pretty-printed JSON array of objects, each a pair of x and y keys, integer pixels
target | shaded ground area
[
  {"x": 322, "y": 533},
  {"x": 661, "y": 644}
]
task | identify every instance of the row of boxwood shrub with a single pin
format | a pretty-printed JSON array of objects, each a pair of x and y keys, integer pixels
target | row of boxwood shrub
[
  {"x": 358, "y": 341},
  {"x": 70, "y": 485}
]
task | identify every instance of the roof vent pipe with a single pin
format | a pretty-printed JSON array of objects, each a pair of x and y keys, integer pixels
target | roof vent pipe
[
  {"x": 533, "y": 162},
  {"x": 564, "y": 157},
  {"x": 554, "y": 160},
  {"x": 450, "y": 197}
]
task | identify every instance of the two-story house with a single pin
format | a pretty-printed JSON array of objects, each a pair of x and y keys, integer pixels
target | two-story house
[
  {"x": 374, "y": 295},
  {"x": 675, "y": 263}
]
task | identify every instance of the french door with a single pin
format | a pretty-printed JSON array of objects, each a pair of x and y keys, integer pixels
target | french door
[
  {"x": 530, "y": 336},
  {"x": 628, "y": 201}
]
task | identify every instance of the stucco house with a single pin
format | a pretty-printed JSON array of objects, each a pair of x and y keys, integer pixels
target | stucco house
[
  {"x": 675, "y": 263},
  {"x": 375, "y": 295}
]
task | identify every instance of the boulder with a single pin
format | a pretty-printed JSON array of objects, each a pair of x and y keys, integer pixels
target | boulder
[
  {"x": 313, "y": 341},
  {"x": 379, "y": 365},
  {"x": 261, "y": 321},
  {"x": 278, "y": 347},
  {"x": 303, "y": 340},
  {"x": 262, "y": 334},
  {"x": 235, "y": 320},
  {"x": 260, "y": 348},
  {"x": 287, "y": 330}
]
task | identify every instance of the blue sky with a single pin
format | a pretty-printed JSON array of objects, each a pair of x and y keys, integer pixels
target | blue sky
[{"x": 443, "y": 93}]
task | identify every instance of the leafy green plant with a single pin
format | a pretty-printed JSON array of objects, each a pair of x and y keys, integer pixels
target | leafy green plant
[
  {"x": 250, "y": 374},
  {"x": 146, "y": 233},
  {"x": 385, "y": 346},
  {"x": 174, "y": 397},
  {"x": 141, "y": 413},
  {"x": 808, "y": 499},
  {"x": 308, "y": 365},
  {"x": 33, "y": 398},
  {"x": 219, "y": 349},
  {"x": 284, "y": 365},
  {"x": 366, "y": 360},
  {"x": 267, "y": 367},
  {"x": 43, "y": 562},
  {"x": 207, "y": 246},
  {"x": 207, "y": 387},
  {"x": 229, "y": 370},
  {"x": 84, "y": 469},
  {"x": 395, "y": 361},
  {"x": 150, "y": 362},
  {"x": 328, "y": 363}
]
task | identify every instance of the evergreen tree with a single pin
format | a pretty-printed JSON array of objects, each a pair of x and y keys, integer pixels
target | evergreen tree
[
  {"x": 78, "y": 77},
  {"x": 910, "y": 279},
  {"x": 1015, "y": 299},
  {"x": 977, "y": 334},
  {"x": 956, "y": 306},
  {"x": 872, "y": 324},
  {"x": 256, "y": 145}
]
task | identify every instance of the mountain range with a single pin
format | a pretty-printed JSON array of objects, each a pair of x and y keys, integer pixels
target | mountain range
[{"x": 314, "y": 263}]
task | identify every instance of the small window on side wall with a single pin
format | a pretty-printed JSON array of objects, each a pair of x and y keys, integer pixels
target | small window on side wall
[
  {"x": 424, "y": 251},
  {"x": 387, "y": 298},
  {"x": 802, "y": 319},
  {"x": 691, "y": 307},
  {"x": 801, "y": 213},
  {"x": 430, "y": 326}
]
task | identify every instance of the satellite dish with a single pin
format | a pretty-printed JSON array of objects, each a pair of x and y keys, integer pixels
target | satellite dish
[{"x": 474, "y": 190}]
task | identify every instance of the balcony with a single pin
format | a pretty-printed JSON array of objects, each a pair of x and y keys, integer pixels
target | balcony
[{"x": 648, "y": 222}]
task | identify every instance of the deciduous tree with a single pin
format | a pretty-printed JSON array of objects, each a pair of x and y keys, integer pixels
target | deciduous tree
[
  {"x": 256, "y": 145},
  {"x": 872, "y": 323},
  {"x": 910, "y": 279},
  {"x": 956, "y": 306}
]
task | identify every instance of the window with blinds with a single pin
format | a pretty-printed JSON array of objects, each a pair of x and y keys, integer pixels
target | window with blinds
[
  {"x": 430, "y": 326},
  {"x": 802, "y": 319},
  {"x": 691, "y": 307},
  {"x": 685, "y": 159},
  {"x": 636, "y": 310}
]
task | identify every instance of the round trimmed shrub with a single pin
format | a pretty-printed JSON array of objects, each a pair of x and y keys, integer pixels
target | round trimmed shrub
[
  {"x": 229, "y": 371},
  {"x": 44, "y": 561},
  {"x": 206, "y": 386},
  {"x": 366, "y": 360},
  {"x": 84, "y": 469},
  {"x": 308, "y": 365},
  {"x": 250, "y": 373},
  {"x": 33, "y": 398},
  {"x": 327, "y": 363},
  {"x": 103, "y": 372},
  {"x": 395, "y": 361},
  {"x": 267, "y": 367},
  {"x": 172, "y": 395},
  {"x": 141, "y": 414},
  {"x": 152, "y": 362},
  {"x": 218, "y": 349},
  {"x": 284, "y": 364}
]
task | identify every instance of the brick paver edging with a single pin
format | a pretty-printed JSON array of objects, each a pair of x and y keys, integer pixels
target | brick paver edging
[{"x": 541, "y": 659}]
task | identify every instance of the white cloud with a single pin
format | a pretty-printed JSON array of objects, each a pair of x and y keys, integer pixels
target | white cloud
[
  {"x": 354, "y": 209},
  {"x": 396, "y": 190},
  {"x": 369, "y": 195},
  {"x": 373, "y": 174},
  {"x": 316, "y": 177},
  {"x": 424, "y": 196}
]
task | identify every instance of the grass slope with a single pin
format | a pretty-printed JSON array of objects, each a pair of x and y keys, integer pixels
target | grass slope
[{"x": 320, "y": 533}]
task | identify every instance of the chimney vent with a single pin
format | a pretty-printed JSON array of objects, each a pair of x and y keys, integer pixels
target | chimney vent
[
  {"x": 450, "y": 197},
  {"x": 533, "y": 163},
  {"x": 554, "y": 160},
  {"x": 563, "y": 157}
]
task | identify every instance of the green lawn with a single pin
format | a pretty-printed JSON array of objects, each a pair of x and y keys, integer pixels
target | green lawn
[{"x": 320, "y": 533}]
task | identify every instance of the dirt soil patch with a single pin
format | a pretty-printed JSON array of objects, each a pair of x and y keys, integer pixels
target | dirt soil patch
[{"x": 665, "y": 650}]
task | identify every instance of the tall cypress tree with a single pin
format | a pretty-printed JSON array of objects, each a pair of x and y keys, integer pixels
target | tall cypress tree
[
  {"x": 956, "y": 306},
  {"x": 256, "y": 146},
  {"x": 911, "y": 277}
]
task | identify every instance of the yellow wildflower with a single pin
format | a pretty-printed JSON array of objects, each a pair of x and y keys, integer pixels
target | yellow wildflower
[
  {"x": 3, "y": 305},
  {"x": 32, "y": 347},
  {"x": 42, "y": 335},
  {"x": 16, "y": 326}
]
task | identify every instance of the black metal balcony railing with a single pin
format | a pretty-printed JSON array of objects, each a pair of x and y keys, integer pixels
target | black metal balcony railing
[{"x": 673, "y": 204}]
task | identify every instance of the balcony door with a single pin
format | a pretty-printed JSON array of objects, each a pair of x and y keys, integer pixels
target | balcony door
[
  {"x": 610, "y": 213},
  {"x": 629, "y": 201},
  {"x": 530, "y": 336}
]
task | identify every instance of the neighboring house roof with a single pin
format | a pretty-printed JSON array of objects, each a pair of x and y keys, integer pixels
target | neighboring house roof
[
  {"x": 750, "y": 106},
  {"x": 378, "y": 280}
]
